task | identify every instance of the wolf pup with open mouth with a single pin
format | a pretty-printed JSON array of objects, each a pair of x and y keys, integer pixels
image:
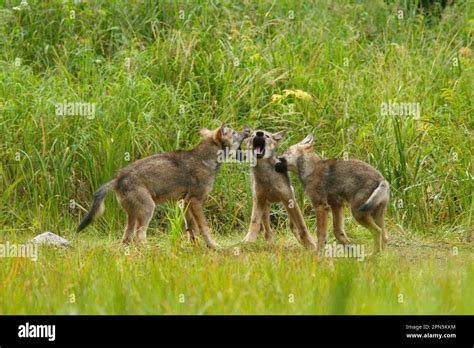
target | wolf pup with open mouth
[
  {"x": 187, "y": 175},
  {"x": 268, "y": 187},
  {"x": 331, "y": 183}
]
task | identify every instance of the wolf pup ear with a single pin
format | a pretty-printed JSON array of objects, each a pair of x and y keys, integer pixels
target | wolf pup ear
[
  {"x": 219, "y": 133},
  {"x": 278, "y": 137},
  {"x": 307, "y": 143},
  {"x": 205, "y": 133}
]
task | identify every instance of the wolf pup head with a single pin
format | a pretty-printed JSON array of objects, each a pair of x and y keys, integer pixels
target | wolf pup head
[
  {"x": 263, "y": 144},
  {"x": 289, "y": 160}
]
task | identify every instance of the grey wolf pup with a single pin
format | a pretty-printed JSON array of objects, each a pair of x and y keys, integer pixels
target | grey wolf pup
[
  {"x": 186, "y": 175},
  {"x": 268, "y": 187},
  {"x": 331, "y": 183}
]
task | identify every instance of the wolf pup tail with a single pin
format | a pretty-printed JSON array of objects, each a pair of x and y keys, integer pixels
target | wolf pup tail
[
  {"x": 380, "y": 195},
  {"x": 97, "y": 205}
]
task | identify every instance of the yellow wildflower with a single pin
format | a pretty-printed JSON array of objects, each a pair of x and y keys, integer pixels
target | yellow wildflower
[
  {"x": 256, "y": 57},
  {"x": 297, "y": 93},
  {"x": 276, "y": 98}
]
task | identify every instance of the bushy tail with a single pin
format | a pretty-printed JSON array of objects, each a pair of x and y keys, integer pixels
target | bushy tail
[
  {"x": 380, "y": 195},
  {"x": 97, "y": 205}
]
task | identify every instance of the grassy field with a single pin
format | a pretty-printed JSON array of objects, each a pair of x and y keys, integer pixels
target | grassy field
[
  {"x": 157, "y": 71},
  {"x": 171, "y": 277}
]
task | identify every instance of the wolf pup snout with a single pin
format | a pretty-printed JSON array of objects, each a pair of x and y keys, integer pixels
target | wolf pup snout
[
  {"x": 281, "y": 166},
  {"x": 258, "y": 143},
  {"x": 244, "y": 134}
]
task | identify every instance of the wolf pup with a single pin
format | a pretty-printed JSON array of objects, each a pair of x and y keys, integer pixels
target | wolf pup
[
  {"x": 268, "y": 186},
  {"x": 331, "y": 183},
  {"x": 187, "y": 175}
]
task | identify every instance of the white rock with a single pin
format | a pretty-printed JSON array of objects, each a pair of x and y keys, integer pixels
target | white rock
[{"x": 50, "y": 238}]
